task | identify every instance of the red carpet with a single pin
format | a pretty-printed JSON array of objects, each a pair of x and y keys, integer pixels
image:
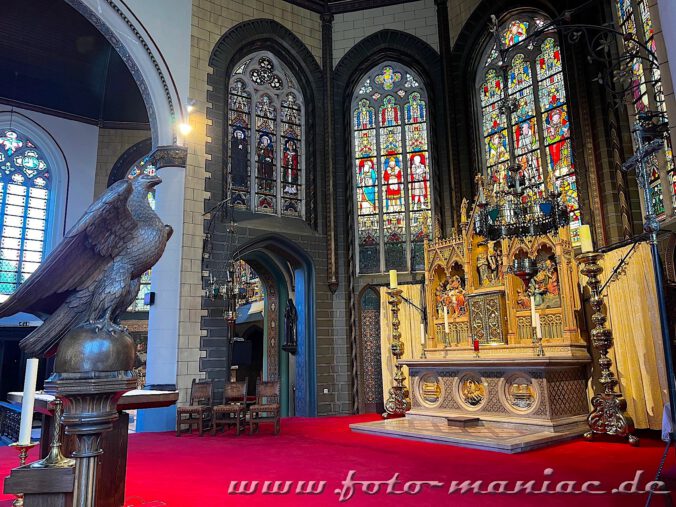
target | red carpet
[{"x": 191, "y": 471}]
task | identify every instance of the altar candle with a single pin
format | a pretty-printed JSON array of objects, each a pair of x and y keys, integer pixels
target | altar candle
[
  {"x": 28, "y": 401},
  {"x": 446, "y": 319},
  {"x": 476, "y": 345},
  {"x": 533, "y": 315},
  {"x": 393, "y": 279},
  {"x": 422, "y": 333},
  {"x": 538, "y": 327},
  {"x": 586, "y": 239}
]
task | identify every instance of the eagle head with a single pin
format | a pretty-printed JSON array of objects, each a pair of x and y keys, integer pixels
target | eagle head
[{"x": 146, "y": 182}]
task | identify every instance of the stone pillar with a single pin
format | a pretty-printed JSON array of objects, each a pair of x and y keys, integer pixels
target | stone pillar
[
  {"x": 163, "y": 323},
  {"x": 451, "y": 177},
  {"x": 329, "y": 147}
]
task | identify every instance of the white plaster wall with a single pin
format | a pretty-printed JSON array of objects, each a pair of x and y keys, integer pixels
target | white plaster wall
[
  {"x": 415, "y": 18},
  {"x": 169, "y": 23}
]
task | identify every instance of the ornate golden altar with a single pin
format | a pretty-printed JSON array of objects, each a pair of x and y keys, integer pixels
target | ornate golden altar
[{"x": 482, "y": 381}]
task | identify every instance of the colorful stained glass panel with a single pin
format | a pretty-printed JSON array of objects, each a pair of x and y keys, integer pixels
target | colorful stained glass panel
[
  {"x": 416, "y": 137},
  {"x": 390, "y": 140},
  {"x": 552, "y": 92},
  {"x": 519, "y": 75}
]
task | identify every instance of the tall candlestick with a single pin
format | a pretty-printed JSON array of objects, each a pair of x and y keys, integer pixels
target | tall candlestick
[
  {"x": 393, "y": 279},
  {"x": 28, "y": 401},
  {"x": 532, "y": 311},
  {"x": 446, "y": 319}
]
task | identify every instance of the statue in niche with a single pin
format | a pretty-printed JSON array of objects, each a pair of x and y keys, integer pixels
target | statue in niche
[
  {"x": 545, "y": 285},
  {"x": 494, "y": 262},
  {"x": 483, "y": 269},
  {"x": 522, "y": 299},
  {"x": 489, "y": 265},
  {"x": 455, "y": 294},
  {"x": 463, "y": 211},
  {"x": 290, "y": 321}
]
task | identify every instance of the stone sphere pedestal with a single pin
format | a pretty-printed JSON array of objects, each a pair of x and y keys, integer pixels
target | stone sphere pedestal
[{"x": 93, "y": 369}]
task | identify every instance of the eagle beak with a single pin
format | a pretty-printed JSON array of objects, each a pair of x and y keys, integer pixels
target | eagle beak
[{"x": 155, "y": 181}]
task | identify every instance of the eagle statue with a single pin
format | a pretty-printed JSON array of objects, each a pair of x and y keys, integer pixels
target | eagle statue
[{"x": 94, "y": 274}]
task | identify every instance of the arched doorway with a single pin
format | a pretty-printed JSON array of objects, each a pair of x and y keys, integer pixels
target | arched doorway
[{"x": 287, "y": 274}]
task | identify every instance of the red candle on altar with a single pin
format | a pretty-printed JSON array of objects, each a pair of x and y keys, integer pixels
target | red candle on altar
[{"x": 476, "y": 345}]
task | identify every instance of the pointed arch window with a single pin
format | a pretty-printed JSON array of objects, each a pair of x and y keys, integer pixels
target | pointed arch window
[
  {"x": 391, "y": 164},
  {"x": 634, "y": 18},
  {"x": 266, "y": 132},
  {"x": 538, "y": 126},
  {"x": 25, "y": 183}
]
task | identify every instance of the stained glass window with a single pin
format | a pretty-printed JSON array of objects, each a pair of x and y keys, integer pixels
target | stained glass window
[
  {"x": 265, "y": 138},
  {"x": 634, "y": 18},
  {"x": 143, "y": 166},
  {"x": 538, "y": 126},
  {"x": 25, "y": 181},
  {"x": 390, "y": 135}
]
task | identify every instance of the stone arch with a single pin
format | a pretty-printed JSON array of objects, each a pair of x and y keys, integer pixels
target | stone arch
[
  {"x": 286, "y": 270},
  {"x": 130, "y": 156},
  {"x": 129, "y": 38}
]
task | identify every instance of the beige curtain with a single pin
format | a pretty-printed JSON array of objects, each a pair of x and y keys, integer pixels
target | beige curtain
[
  {"x": 409, "y": 318},
  {"x": 637, "y": 354}
]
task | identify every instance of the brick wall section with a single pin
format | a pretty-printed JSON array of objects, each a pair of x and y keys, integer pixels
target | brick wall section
[
  {"x": 415, "y": 18},
  {"x": 210, "y": 20},
  {"x": 112, "y": 144}
]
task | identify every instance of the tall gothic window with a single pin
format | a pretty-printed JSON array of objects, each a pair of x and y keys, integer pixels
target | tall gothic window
[
  {"x": 266, "y": 134},
  {"x": 391, "y": 169},
  {"x": 634, "y": 19},
  {"x": 25, "y": 181},
  {"x": 538, "y": 128}
]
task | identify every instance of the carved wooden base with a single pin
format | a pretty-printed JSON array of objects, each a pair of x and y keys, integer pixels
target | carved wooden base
[{"x": 608, "y": 418}]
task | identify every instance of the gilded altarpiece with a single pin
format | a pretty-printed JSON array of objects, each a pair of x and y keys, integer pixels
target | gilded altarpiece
[
  {"x": 482, "y": 359},
  {"x": 473, "y": 294}
]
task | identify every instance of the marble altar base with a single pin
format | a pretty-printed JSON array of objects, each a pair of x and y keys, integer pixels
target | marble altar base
[{"x": 502, "y": 404}]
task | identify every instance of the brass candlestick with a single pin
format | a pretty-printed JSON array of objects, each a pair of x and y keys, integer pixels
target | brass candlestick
[
  {"x": 23, "y": 454},
  {"x": 608, "y": 414},
  {"x": 398, "y": 402},
  {"x": 55, "y": 459}
]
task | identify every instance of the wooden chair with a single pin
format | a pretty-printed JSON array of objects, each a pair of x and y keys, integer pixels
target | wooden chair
[
  {"x": 199, "y": 411},
  {"x": 266, "y": 408},
  {"x": 233, "y": 409}
]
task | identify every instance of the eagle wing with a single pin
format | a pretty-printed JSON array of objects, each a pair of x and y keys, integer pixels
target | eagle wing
[{"x": 85, "y": 251}]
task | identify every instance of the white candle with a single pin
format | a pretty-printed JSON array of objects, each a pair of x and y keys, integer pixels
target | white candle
[
  {"x": 28, "y": 400},
  {"x": 586, "y": 242},
  {"x": 446, "y": 319},
  {"x": 393, "y": 279},
  {"x": 538, "y": 327},
  {"x": 422, "y": 333},
  {"x": 533, "y": 315}
]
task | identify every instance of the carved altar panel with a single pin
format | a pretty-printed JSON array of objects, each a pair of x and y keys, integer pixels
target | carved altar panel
[{"x": 488, "y": 317}]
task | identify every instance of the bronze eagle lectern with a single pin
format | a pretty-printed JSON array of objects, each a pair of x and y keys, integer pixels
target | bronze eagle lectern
[{"x": 94, "y": 274}]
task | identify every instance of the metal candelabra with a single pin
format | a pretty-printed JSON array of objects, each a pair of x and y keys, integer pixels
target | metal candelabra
[
  {"x": 398, "y": 403},
  {"x": 23, "y": 454},
  {"x": 608, "y": 415},
  {"x": 55, "y": 459}
]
